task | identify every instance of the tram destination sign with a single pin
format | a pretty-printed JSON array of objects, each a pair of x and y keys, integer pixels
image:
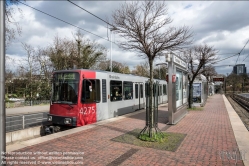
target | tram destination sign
[{"x": 220, "y": 79}]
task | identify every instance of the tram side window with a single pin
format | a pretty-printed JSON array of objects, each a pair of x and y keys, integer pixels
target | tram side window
[
  {"x": 141, "y": 91},
  {"x": 160, "y": 90},
  {"x": 146, "y": 89},
  {"x": 154, "y": 89},
  {"x": 164, "y": 89},
  {"x": 104, "y": 98},
  {"x": 136, "y": 91},
  {"x": 116, "y": 90},
  {"x": 128, "y": 90},
  {"x": 90, "y": 91}
]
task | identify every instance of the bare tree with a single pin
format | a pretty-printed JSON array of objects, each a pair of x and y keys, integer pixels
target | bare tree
[
  {"x": 9, "y": 76},
  {"x": 31, "y": 66},
  {"x": 45, "y": 64},
  {"x": 143, "y": 25},
  {"x": 45, "y": 72},
  {"x": 143, "y": 70},
  {"x": 12, "y": 27},
  {"x": 8, "y": 62},
  {"x": 209, "y": 72},
  {"x": 198, "y": 57}
]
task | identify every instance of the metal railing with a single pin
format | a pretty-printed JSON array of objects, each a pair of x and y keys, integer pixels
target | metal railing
[
  {"x": 20, "y": 122},
  {"x": 25, "y": 103}
]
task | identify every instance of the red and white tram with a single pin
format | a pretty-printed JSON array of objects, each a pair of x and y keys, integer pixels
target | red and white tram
[{"x": 81, "y": 97}]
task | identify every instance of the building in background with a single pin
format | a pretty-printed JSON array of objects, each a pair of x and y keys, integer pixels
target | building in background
[{"x": 239, "y": 69}]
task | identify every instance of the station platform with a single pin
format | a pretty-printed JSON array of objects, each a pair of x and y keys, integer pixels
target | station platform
[{"x": 214, "y": 136}]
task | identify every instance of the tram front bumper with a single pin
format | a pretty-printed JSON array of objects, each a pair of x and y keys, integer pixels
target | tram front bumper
[{"x": 62, "y": 120}]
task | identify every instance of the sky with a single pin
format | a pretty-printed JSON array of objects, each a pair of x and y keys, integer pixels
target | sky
[{"x": 221, "y": 24}]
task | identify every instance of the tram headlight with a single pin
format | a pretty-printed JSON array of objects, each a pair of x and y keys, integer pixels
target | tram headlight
[
  {"x": 49, "y": 118},
  {"x": 67, "y": 121}
]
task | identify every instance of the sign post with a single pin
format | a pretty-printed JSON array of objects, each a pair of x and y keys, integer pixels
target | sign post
[
  {"x": 2, "y": 83},
  {"x": 220, "y": 79},
  {"x": 171, "y": 88}
]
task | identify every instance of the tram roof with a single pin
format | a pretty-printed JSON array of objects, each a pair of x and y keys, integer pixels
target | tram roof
[{"x": 101, "y": 71}]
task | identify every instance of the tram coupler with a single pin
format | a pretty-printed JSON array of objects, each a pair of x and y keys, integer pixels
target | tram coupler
[{"x": 51, "y": 129}]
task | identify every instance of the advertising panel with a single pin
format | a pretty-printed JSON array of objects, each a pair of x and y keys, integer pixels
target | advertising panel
[{"x": 197, "y": 92}]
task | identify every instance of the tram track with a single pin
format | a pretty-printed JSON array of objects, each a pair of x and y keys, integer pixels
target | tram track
[{"x": 241, "y": 108}]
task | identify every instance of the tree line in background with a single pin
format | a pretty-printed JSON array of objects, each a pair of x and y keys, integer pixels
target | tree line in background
[
  {"x": 236, "y": 83},
  {"x": 144, "y": 35},
  {"x": 65, "y": 53},
  {"x": 31, "y": 79}
]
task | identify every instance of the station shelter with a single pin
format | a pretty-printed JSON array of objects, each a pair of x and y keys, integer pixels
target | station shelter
[
  {"x": 200, "y": 90},
  {"x": 210, "y": 88},
  {"x": 177, "y": 87}
]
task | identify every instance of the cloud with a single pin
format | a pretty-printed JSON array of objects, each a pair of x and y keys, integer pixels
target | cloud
[{"x": 222, "y": 24}]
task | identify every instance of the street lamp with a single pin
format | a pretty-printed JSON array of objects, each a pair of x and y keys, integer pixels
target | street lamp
[
  {"x": 112, "y": 29},
  {"x": 2, "y": 84},
  {"x": 111, "y": 52}
]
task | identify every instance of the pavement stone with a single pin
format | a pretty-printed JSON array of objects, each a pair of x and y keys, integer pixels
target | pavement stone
[{"x": 210, "y": 141}]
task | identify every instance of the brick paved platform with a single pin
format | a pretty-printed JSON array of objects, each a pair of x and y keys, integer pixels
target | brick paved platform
[{"x": 210, "y": 141}]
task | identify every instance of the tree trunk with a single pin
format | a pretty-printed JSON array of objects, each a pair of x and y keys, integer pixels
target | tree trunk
[
  {"x": 151, "y": 132},
  {"x": 151, "y": 111},
  {"x": 190, "y": 95}
]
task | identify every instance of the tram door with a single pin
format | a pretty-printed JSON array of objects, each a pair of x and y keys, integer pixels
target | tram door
[{"x": 139, "y": 96}]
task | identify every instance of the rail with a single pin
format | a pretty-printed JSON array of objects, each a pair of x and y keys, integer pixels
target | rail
[{"x": 241, "y": 100}]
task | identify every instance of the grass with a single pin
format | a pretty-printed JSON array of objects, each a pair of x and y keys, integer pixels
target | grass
[
  {"x": 195, "y": 109},
  {"x": 10, "y": 104},
  {"x": 156, "y": 137},
  {"x": 169, "y": 141}
]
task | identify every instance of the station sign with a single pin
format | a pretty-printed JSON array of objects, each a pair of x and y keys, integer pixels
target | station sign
[
  {"x": 221, "y": 79},
  {"x": 179, "y": 62}
]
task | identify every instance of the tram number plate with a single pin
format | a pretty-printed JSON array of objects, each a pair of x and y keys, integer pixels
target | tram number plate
[{"x": 87, "y": 110}]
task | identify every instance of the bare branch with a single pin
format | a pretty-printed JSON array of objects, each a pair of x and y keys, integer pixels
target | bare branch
[
  {"x": 142, "y": 24},
  {"x": 11, "y": 31}
]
